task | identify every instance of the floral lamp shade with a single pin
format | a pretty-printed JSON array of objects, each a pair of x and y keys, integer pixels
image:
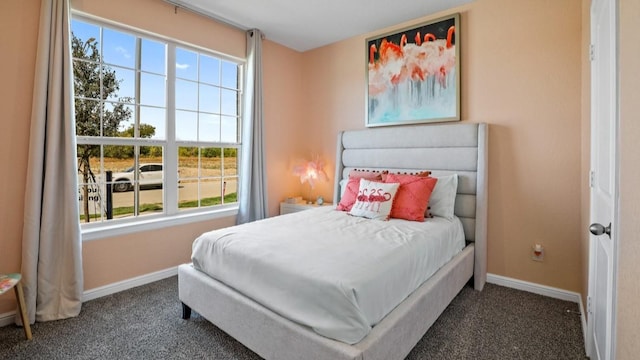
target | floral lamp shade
[{"x": 311, "y": 171}]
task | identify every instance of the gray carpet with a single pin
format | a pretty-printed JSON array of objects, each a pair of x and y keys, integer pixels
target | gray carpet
[{"x": 145, "y": 323}]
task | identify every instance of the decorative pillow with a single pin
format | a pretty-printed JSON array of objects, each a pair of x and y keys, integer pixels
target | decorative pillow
[
  {"x": 419, "y": 174},
  {"x": 413, "y": 195},
  {"x": 374, "y": 199},
  {"x": 366, "y": 174},
  {"x": 443, "y": 198},
  {"x": 350, "y": 191}
]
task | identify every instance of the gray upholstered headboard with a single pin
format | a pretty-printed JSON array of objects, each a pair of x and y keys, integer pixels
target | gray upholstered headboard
[{"x": 443, "y": 149}]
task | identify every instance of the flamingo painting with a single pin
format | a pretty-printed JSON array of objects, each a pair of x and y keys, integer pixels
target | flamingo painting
[{"x": 413, "y": 74}]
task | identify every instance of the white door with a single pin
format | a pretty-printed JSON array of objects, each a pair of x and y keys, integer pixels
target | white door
[{"x": 603, "y": 247}]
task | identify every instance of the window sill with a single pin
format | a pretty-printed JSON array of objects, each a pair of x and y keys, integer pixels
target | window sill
[{"x": 111, "y": 230}]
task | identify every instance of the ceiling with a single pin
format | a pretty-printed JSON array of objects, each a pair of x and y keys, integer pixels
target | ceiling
[{"x": 307, "y": 24}]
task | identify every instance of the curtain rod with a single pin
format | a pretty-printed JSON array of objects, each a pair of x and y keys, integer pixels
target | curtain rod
[{"x": 196, "y": 10}]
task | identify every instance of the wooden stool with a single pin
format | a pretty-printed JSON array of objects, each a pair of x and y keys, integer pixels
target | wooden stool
[{"x": 13, "y": 281}]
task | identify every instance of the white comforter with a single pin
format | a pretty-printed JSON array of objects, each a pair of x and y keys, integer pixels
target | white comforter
[{"x": 338, "y": 274}]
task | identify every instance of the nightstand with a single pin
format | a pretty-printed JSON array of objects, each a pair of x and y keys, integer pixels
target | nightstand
[{"x": 286, "y": 208}]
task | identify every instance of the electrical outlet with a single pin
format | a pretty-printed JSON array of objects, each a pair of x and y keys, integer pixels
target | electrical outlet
[{"x": 537, "y": 253}]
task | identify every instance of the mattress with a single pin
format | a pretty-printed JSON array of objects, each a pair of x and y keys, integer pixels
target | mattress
[{"x": 334, "y": 273}]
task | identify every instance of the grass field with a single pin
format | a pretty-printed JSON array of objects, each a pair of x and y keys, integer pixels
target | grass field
[
  {"x": 149, "y": 208},
  {"x": 187, "y": 166}
]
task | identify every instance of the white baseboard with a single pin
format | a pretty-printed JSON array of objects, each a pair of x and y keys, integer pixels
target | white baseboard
[
  {"x": 545, "y": 291},
  {"x": 534, "y": 288},
  {"x": 91, "y": 294},
  {"x": 7, "y": 318},
  {"x": 128, "y": 284}
]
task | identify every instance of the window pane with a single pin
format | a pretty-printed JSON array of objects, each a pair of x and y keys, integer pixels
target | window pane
[
  {"x": 83, "y": 32},
  {"x": 188, "y": 195},
  {"x": 209, "y": 70},
  {"x": 229, "y": 102},
  {"x": 229, "y": 75},
  {"x": 119, "y": 119},
  {"x": 152, "y": 123},
  {"x": 210, "y": 162},
  {"x": 187, "y": 163},
  {"x": 93, "y": 180},
  {"x": 152, "y": 90},
  {"x": 229, "y": 129},
  {"x": 120, "y": 161},
  {"x": 210, "y": 192},
  {"x": 91, "y": 201},
  {"x": 231, "y": 163},
  {"x": 153, "y": 56},
  {"x": 186, "y": 64},
  {"x": 209, "y": 99},
  {"x": 209, "y": 129},
  {"x": 118, "y": 83},
  {"x": 118, "y": 48},
  {"x": 230, "y": 190},
  {"x": 86, "y": 82},
  {"x": 186, "y": 95},
  {"x": 186, "y": 125},
  {"x": 188, "y": 177},
  {"x": 151, "y": 180},
  {"x": 87, "y": 117}
]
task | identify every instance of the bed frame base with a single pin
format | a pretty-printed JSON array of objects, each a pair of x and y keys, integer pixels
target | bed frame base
[{"x": 274, "y": 337}]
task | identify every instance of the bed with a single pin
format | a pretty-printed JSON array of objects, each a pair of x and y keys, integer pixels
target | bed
[{"x": 444, "y": 150}]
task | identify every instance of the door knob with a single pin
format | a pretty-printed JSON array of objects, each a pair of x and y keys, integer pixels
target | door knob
[{"x": 599, "y": 229}]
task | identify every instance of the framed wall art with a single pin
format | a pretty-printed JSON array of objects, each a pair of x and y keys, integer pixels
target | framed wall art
[{"x": 413, "y": 74}]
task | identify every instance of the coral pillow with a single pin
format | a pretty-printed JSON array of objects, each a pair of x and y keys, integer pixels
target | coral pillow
[
  {"x": 348, "y": 197},
  {"x": 412, "y": 198},
  {"x": 366, "y": 174},
  {"x": 420, "y": 174},
  {"x": 374, "y": 200}
]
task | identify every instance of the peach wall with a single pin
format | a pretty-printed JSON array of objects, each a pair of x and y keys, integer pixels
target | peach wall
[
  {"x": 521, "y": 74},
  {"x": 284, "y": 120},
  {"x": 628, "y": 304},
  {"x": 18, "y": 36},
  {"x": 114, "y": 259}
]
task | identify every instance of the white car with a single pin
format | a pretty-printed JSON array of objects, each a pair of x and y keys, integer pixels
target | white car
[{"x": 149, "y": 175}]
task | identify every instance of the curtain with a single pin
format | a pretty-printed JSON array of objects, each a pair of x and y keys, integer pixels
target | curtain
[
  {"x": 253, "y": 187},
  {"x": 51, "y": 238}
]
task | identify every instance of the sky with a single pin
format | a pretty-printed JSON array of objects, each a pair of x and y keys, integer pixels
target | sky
[{"x": 206, "y": 105}]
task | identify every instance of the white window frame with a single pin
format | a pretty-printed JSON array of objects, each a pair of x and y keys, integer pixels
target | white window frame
[{"x": 171, "y": 215}]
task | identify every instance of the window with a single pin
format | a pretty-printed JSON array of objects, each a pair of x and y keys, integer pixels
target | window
[{"x": 157, "y": 125}]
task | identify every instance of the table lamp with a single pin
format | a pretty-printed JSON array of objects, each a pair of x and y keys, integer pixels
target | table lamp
[{"x": 311, "y": 171}]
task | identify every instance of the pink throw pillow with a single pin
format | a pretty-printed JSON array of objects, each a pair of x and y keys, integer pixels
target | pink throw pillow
[
  {"x": 353, "y": 185},
  {"x": 367, "y": 174},
  {"x": 412, "y": 198}
]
